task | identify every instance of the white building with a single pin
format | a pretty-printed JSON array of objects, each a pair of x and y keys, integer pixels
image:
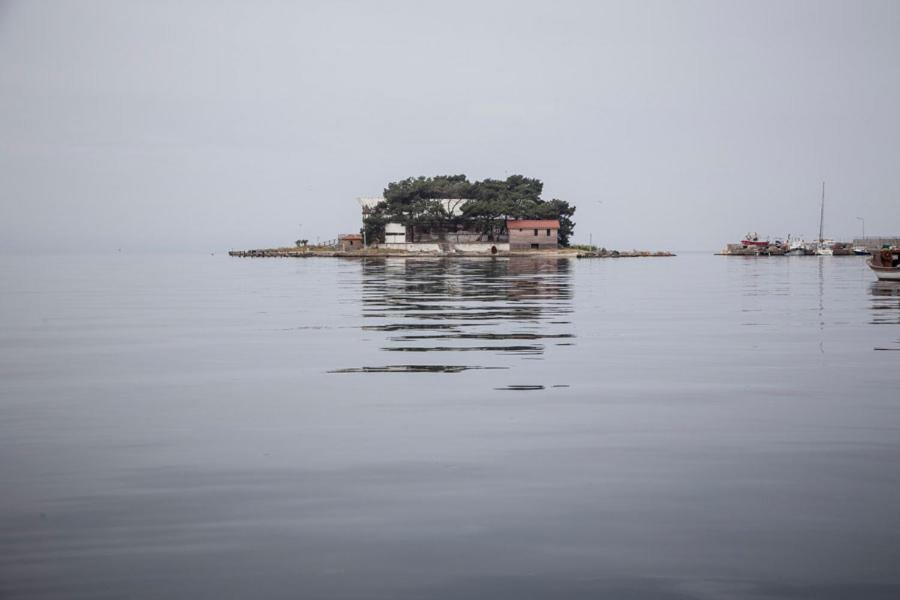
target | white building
[{"x": 394, "y": 233}]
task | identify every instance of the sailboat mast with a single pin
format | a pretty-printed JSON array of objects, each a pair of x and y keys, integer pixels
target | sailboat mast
[{"x": 822, "y": 216}]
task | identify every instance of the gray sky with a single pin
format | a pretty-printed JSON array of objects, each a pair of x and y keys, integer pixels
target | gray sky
[{"x": 208, "y": 125}]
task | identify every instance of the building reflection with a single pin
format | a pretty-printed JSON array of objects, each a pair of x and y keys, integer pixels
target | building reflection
[{"x": 500, "y": 306}]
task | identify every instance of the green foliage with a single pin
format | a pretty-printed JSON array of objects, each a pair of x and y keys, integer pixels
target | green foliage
[
  {"x": 408, "y": 191},
  {"x": 562, "y": 210},
  {"x": 373, "y": 224},
  {"x": 415, "y": 201}
]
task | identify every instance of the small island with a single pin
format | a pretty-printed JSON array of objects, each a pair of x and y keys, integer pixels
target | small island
[{"x": 449, "y": 215}]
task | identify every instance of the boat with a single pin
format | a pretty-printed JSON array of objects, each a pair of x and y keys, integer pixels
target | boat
[
  {"x": 797, "y": 247},
  {"x": 886, "y": 264},
  {"x": 861, "y": 251},
  {"x": 823, "y": 247},
  {"x": 752, "y": 239}
]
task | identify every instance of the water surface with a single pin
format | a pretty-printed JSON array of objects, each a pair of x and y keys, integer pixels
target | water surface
[{"x": 207, "y": 427}]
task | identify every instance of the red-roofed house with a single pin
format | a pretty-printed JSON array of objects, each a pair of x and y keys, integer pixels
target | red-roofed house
[
  {"x": 533, "y": 234},
  {"x": 350, "y": 241}
]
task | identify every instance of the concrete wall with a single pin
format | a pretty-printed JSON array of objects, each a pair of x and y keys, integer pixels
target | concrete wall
[
  {"x": 525, "y": 239},
  {"x": 412, "y": 247},
  {"x": 875, "y": 243},
  {"x": 481, "y": 248}
]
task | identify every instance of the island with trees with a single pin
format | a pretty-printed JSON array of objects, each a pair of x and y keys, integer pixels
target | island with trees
[
  {"x": 445, "y": 205},
  {"x": 451, "y": 215}
]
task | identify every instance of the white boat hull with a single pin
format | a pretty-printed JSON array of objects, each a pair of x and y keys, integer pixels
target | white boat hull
[{"x": 885, "y": 273}]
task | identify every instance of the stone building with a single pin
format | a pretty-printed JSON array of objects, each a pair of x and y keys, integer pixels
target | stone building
[
  {"x": 533, "y": 234},
  {"x": 350, "y": 241}
]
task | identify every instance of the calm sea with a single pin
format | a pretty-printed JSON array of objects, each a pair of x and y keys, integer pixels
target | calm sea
[{"x": 208, "y": 427}]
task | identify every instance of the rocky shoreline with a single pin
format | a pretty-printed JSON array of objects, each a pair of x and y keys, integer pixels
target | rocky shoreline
[
  {"x": 628, "y": 254},
  {"x": 377, "y": 252}
]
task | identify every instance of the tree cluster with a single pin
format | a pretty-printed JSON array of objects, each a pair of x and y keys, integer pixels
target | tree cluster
[{"x": 482, "y": 206}]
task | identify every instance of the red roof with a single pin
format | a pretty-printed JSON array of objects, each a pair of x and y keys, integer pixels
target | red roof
[
  {"x": 350, "y": 236},
  {"x": 533, "y": 224}
]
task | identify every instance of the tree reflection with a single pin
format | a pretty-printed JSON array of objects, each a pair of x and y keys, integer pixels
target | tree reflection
[{"x": 504, "y": 306}]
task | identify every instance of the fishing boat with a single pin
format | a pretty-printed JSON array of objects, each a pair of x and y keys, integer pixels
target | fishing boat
[
  {"x": 752, "y": 239},
  {"x": 797, "y": 247},
  {"x": 886, "y": 264}
]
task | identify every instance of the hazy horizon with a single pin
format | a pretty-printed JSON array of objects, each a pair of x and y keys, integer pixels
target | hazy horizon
[{"x": 195, "y": 126}]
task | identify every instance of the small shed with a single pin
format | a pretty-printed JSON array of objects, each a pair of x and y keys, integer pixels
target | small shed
[
  {"x": 533, "y": 234},
  {"x": 350, "y": 241}
]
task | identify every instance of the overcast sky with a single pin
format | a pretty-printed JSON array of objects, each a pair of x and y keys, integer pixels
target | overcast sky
[{"x": 204, "y": 126}]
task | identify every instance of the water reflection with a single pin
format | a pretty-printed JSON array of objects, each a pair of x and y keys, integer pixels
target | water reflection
[
  {"x": 414, "y": 369},
  {"x": 516, "y": 306},
  {"x": 885, "y": 303},
  {"x": 821, "y": 305},
  {"x": 886, "y": 306}
]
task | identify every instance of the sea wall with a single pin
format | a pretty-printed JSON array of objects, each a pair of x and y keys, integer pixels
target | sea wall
[
  {"x": 741, "y": 250},
  {"x": 448, "y": 247},
  {"x": 409, "y": 247},
  {"x": 875, "y": 243},
  {"x": 482, "y": 248},
  {"x": 484, "y": 251}
]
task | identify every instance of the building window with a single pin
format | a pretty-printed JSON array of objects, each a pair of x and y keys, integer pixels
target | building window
[
  {"x": 535, "y": 232},
  {"x": 535, "y": 246},
  {"x": 548, "y": 232}
]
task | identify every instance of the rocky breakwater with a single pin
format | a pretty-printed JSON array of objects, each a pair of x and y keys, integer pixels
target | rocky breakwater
[
  {"x": 369, "y": 252},
  {"x": 325, "y": 252},
  {"x": 753, "y": 250},
  {"x": 622, "y": 254},
  {"x": 277, "y": 252}
]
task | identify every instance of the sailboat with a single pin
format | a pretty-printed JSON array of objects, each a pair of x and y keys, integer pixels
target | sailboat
[{"x": 823, "y": 247}]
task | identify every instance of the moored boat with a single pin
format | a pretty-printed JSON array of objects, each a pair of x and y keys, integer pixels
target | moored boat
[
  {"x": 798, "y": 247},
  {"x": 886, "y": 264},
  {"x": 825, "y": 247},
  {"x": 752, "y": 239}
]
